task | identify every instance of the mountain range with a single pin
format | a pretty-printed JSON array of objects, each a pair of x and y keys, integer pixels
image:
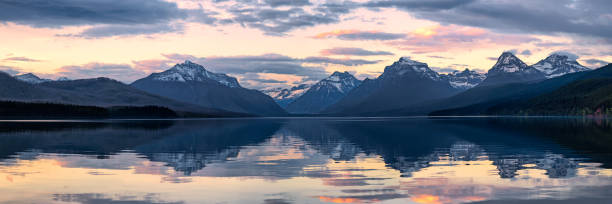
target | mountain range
[
  {"x": 403, "y": 83},
  {"x": 557, "y": 84},
  {"x": 191, "y": 83},
  {"x": 324, "y": 93}
]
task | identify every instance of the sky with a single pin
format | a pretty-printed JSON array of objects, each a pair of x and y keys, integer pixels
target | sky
[{"x": 281, "y": 43}]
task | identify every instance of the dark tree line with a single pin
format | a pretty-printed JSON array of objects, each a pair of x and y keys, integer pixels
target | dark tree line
[{"x": 43, "y": 110}]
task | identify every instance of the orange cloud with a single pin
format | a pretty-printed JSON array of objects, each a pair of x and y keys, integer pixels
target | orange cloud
[
  {"x": 444, "y": 38},
  {"x": 336, "y": 33},
  {"x": 338, "y": 200},
  {"x": 426, "y": 199}
]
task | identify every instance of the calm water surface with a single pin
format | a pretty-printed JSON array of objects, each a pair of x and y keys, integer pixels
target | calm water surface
[{"x": 373, "y": 160}]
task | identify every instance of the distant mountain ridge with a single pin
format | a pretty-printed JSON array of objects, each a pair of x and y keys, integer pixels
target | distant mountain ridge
[
  {"x": 403, "y": 83},
  {"x": 31, "y": 78},
  {"x": 465, "y": 79},
  {"x": 192, "y": 83},
  {"x": 510, "y": 69},
  {"x": 324, "y": 93},
  {"x": 102, "y": 92},
  {"x": 284, "y": 96}
]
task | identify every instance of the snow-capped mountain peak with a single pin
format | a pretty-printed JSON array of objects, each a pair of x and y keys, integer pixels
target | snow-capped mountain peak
[
  {"x": 509, "y": 63},
  {"x": 189, "y": 71},
  {"x": 558, "y": 64},
  {"x": 341, "y": 81},
  {"x": 464, "y": 79},
  {"x": 30, "y": 78},
  {"x": 405, "y": 65},
  {"x": 280, "y": 94},
  {"x": 63, "y": 79}
]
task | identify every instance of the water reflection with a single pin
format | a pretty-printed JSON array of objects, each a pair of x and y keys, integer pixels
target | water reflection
[{"x": 414, "y": 160}]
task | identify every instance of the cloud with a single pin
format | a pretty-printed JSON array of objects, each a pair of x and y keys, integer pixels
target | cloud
[
  {"x": 152, "y": 65},
  {"x": 443, "y": 69},
  {"x": 9, "y": 70},
  {"x": 526, "y": 52},
  {"x": 105, "y": 18},
  {"x": 430, "y": 5},
  {"x": 345, "y": 62},
  {"x": 21, "y": 59},
  {"x": 359, "y": 35},
  {"x": 596, "y": 62},
  {"x": 121, "y": 72},
  {"x": 452, "y": 37},
  {"x": 353, "y": 51},
  {"x": 550, "y": 44},
  {"x": 128, "y": 30},
  {"x": 102, "y": 198},
  {"x": 582, "y": 18},
  {"x": 278, "y": 21},
  {"x": 570, "y": 55},
  {"x": 277, "y": 3},
  {"x": 439, "y": 57},
  {"x": 59, "y": 13}
]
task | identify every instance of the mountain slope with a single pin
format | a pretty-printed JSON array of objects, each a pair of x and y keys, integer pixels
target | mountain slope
[
  {"x": 558, "y": 64},
  {"x": 91, "y": 92},
  {"x": 510, "y": 69},
  {"x": 284, "y": 96},
  {"x": 324, "y": 93},
  {"x": 584, "y": 97},
  {"x": 479, "y": 100},
  {"x": 191, "y": 83},
  {"x": 403, "y": 83}
]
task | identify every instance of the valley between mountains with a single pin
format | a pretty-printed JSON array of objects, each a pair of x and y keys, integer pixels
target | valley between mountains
[{"x": 555, "y": 86}]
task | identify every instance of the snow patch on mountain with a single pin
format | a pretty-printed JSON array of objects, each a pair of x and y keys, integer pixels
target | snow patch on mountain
[
  {"x": 559, "y": 64},
  {"x": 464, "y": 79},
  {"x": 279, "y": 94},
  {"x": 341, "y": 81},
  {"x": 189, "y": 71},
  {"x": 31, "y": 78},
  {"x": 406, "y": 65},
  {"x": 509, "y": 63}
]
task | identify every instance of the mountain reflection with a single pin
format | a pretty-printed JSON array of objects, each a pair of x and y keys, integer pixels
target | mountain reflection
[{"x": 419, "y": 160}]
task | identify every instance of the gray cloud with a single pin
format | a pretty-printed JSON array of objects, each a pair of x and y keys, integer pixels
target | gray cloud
[
  {"x": 102, "y": 198},
  {"x": 550, "y": 44},
  {"x": 21, "y": 59},
  {"x": 430, "y": 5},
  {"x": 596, "y": 62},
  {"x": 58, "y": 13},
  {"x": 526, "y": 52},
  {"x": 353, "y": 51},
  {"x": 345, "y": 62},
  {"x": 443, "y": 69},
  {"x": 277, "y": 3},
  {"x": 439, "y": 57},
  {"x": 121, "y": 72},
  {"x": 583, "y": 18},
  {"x": 128, "y": 30},
  {"x": 362, "y": 35},
  {"x": 278, "y": 21}
]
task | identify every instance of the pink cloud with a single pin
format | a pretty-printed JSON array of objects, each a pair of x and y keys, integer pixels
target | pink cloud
[{"x": 444, "y": 38}]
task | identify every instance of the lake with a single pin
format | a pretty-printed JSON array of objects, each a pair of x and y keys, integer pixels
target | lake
[{"x": 308, "y": 160}]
